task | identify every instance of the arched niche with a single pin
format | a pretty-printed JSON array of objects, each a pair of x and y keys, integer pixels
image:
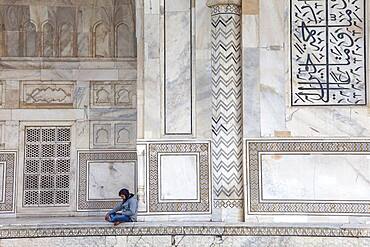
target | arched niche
[
  {"x": 66, "y": 40},
  {"x": 48, "y": 39},
  {"x": 101, "y": 40},
  {"x": 125, "y": 40},
  {"x": 30, "y": 39},
  {"x": 2, "y": 40}
]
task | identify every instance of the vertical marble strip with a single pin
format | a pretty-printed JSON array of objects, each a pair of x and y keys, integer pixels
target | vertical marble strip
[
  {"x": 251, "y": 76},
  {"x": 152, "y": 72},
  {"x": 178, "y": 68},
  {"x": 227, "y": 106},
  {"x": 202, "y": 75},
  {"x": 273, "y": 91}
]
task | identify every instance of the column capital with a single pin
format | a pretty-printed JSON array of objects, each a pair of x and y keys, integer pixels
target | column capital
[{"x": 212, "y": 3}]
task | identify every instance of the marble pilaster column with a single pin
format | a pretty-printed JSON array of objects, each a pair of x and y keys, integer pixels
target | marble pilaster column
[{"x": 227, "y": 132}]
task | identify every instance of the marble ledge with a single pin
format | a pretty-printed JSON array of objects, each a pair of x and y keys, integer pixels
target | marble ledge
[
  {"x": 94, "y": 226},
  {"x": 8, "y": 63},
  {"x": 40, "y": 114},
  {"x": 70, "y": 74}
]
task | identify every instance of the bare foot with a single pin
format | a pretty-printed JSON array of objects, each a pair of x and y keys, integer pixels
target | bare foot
[
  {"x": 107, "y": 218},
  {"x": 117, "y": 223}
]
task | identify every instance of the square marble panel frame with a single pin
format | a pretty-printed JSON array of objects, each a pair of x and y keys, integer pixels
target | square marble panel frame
[
  {"x": 8, "y": 159},
  {"x": 254, "y": 148},
  {"x": 86, "y": 156},
  {"x": 202, "y": 149}
]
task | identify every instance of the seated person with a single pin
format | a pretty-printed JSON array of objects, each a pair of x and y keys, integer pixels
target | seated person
[{"x": 125, "y": 211}]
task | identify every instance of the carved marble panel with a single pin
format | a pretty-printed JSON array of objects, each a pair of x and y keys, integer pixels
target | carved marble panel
[
  {"x": 112, "y": 134},
  {"x": 117, "y": 94},
  {"x": 68, "y": 29},
  {"x": 40, "y": 94},
  {"x": 101, "y": 134},
  {"x": 106, "y": 178}
]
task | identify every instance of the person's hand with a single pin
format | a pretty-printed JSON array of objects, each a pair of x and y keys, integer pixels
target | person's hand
[{"x": 107, "y": 218}]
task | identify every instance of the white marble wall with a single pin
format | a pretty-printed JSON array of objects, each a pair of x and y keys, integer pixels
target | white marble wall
[
  {"x": 267, "y": 108},
  {"x": 177, "y": 90},
  {"x": 43, "y": 90}
]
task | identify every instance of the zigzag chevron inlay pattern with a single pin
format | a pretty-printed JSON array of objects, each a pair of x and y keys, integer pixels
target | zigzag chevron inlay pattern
[{"x": 226, "y": 106}]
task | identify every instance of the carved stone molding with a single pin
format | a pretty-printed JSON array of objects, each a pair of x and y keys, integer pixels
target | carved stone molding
[
  {"x": 212, "y": 3},
  {"x": 140, "y": 229}
]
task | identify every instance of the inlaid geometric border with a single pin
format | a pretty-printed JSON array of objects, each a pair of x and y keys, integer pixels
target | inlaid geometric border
[
  {"x": 254, "y": 149},
  {"x": 9, "y": 158},
  {"x": 202, "y": 149},
  {"x": 135, "y": 229},
  {"x": 83, "y": 204}
]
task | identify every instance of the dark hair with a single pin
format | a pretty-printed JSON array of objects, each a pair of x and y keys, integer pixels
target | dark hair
[{"x": 124, "y": 192}]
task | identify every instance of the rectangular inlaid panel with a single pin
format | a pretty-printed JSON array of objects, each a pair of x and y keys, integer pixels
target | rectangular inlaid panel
[
  {"x": 328, "y": 58},
  {"x": 47, "y": 168},
  {"x": 316, "y": 177},
  {"x": 185, "y": 166},
  {"x": 2, "y": 91},
  {"x": 178, "y": 68},
  {"x": 310, "y": 177},
  {"x": 2, "y": 180},
  {"x": 101, "y": 175},
  {"x": 7, "y": 178},
  {"x": 179, "y": 177}
]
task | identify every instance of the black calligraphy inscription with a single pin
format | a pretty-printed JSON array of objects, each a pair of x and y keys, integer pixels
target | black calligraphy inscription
[{"x": 328, "y": 47}]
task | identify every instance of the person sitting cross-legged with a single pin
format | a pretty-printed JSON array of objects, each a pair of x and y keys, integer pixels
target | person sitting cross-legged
[{"x": 125, "y": 211}]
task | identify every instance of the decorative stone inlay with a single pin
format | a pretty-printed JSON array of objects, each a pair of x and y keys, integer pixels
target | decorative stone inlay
[
  {"x": 155, "y": 204},
  {"x": 256, "y": 205},
  {"x": 140, "y": 229},
  {"x": 328, "y": 53},
  {"x": 85, "y": 157},
  {"x": 8, "y": 162},
  {"x": 227, "y": 104}
]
